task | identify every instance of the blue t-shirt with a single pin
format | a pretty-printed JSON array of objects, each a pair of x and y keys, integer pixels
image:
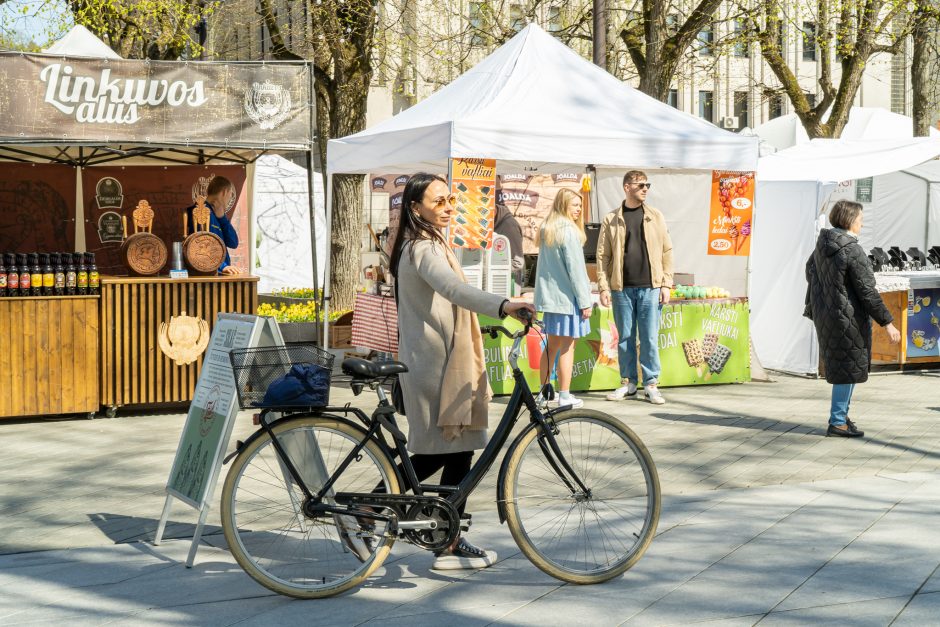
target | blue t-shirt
[{"x": 221, "y": 227}]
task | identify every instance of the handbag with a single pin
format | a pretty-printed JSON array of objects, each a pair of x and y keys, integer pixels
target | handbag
[{"x": 398, "y": 399}]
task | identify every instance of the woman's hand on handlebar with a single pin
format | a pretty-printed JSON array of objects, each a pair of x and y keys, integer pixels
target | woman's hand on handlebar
[{"x": 523, "y": 312}]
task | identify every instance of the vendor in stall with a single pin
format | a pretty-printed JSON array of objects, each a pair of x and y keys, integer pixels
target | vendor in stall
[{"x": 220, "y": 194}]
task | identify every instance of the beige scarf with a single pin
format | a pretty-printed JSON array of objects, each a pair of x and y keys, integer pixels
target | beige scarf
[{"x": 465, "y": 390}]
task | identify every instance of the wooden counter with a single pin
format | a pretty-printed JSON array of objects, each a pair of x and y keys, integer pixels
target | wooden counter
[
  {"x": 48, "y": 355},
  {"x": 882, "y": 350},
  {"x": 134, "y": 370}
]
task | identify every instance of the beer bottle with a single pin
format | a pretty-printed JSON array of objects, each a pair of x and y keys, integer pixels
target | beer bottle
[
  {"x": 25, "y": 276},
  {"x": 59, "y": 271},
  {"x": 48, "y": 276},
  {"x": 82, "y": 273},
  {"x": 3, "y": 276},
  {"x": 94, "y": 279},
  {"x": 13, "y": 276},
  {"x": 35, "y": 275},
  {"x": 71, "y": 276}
]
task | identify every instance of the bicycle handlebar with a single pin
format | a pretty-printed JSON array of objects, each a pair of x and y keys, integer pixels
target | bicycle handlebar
[{"x": 525, "y": 314}]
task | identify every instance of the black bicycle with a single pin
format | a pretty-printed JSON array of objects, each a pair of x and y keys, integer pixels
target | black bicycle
[{"x": 314, "y": 500}]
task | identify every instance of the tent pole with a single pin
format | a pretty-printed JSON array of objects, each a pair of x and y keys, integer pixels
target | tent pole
[
  {"x": 927, "y": 184},
  {"x": 310, "y": 188},
  {"x": 326, "y": 266},
  {"x": 313, "y": 229}
]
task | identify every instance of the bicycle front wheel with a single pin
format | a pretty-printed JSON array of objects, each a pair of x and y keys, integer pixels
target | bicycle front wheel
[
  {"x": 266, "y": 529},
  {"x": 576, "y": 535}
]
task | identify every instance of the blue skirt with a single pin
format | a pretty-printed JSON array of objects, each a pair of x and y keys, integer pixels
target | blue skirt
[{"x": 566, "y": 325}]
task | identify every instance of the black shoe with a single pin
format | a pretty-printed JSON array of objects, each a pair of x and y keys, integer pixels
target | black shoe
[
  {"x": 852, "y": 427},
  {"x": 848, "y": 432}
]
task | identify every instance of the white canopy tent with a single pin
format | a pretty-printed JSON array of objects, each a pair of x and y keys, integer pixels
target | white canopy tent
[
  {"x": 536, "y": 105},
  {"x": 794, "y": 187},
  {"x": 787, "y": 131},
  {"x": 81, "y": 42},
  {"x": 905, "y": 208}
]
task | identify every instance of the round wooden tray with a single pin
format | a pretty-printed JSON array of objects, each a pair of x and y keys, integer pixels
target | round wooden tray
[
  {"x": 203, "y": 253},
  {"x": 144, "y": 254}
]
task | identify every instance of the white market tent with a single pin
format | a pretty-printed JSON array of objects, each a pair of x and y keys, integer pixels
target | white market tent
[
  {"x": 905, "y": 208},
  {"x": 81, "y": 42},
  {"x": 794, "y": 188},
  {"x": 787, "y": 131},
  {"x": 535, "y": 105}
]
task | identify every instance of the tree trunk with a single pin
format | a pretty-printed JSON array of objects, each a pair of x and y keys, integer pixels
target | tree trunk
[
  {"x": 920, "y": 78},
  {"x": 346, "y": 240}
]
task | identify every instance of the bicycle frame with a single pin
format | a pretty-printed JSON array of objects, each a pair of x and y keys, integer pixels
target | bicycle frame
[{"x": 384, "y": 416}]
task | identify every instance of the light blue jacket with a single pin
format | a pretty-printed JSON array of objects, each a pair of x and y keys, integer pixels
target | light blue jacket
[{"x": 561, "y": 281}]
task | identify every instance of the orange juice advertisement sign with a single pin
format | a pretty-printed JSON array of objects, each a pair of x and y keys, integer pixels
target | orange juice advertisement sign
[
  {"x": 731, "y": 215},
  {"x": 473, "y": 184}
]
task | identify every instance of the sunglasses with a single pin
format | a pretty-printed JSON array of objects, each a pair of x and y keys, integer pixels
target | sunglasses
[
  {"x": 439, "y": 203},
  {"x": 642, "y": 185}
]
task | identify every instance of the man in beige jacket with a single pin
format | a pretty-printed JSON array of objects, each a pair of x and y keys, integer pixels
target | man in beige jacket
[{"x": 634, "y": 273}]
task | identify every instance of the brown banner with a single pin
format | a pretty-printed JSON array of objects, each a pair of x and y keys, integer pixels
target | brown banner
[
  {"x": 37, "y": 208},
  {"x": 112, "y": 192},
  {"x": 47, "y": 98}
]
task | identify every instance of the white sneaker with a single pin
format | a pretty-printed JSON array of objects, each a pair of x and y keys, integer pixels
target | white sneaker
[
  {"x": 463, "y": 556},
  {"x": 627, "y": 388},
  {"x": 654, "y": 396},
  {"x": 571, "y": 402}
]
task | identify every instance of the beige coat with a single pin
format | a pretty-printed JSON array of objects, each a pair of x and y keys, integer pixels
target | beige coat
[
  {"x": 610, "y": 242},
  {"x": 428, "y": 291}
]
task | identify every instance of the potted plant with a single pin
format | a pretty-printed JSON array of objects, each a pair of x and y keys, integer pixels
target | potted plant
[{"x": 298, "y": 322}]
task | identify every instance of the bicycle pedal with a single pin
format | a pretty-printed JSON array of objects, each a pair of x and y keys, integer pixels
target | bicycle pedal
[{"x": 465, "y": 522}]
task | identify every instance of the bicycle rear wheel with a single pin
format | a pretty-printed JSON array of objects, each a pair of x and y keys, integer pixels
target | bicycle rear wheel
[
  {"x": 270, "y": 537},
  {"x": 582, "y": 536}
]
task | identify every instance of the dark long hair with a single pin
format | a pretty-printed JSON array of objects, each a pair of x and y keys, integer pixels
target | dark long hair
[{"x": 411, "y": 226}]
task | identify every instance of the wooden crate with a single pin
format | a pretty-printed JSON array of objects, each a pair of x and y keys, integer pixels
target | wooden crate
[
  {"x": 134, "y": 370},
  {"x": 48, "y": 355}
]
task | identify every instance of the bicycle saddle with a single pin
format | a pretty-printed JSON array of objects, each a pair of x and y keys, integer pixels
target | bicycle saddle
[{"x": 359, "y": 367}]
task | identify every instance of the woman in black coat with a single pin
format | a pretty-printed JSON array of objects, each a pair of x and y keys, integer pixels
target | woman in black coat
[{"x": 841, "y": 300}]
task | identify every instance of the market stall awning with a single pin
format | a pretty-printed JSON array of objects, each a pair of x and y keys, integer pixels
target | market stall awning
[
  {"x": 50, "y": 100},
  {"x": 835, "y": 160},
  {"x": 534, "y": 102}
]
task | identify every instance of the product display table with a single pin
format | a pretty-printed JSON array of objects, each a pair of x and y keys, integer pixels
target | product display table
[
  {"x": 700, "y": 342},
  {"x": 48, "y": 355},
  {"x": 917, "y": 316},
  {"x": 134, "y": 369}
]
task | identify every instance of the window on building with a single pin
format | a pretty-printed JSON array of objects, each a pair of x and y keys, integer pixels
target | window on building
[
  {"x": 516, "y": 17},
  {"x": 811, "y": 99},
  {"x": 554, "y": 19},
  {"x": 741, "y": 47},
  {"x": 809, "y": 41},
  {"x": 706, "y": 105},
  {"x": 775, "y": 108},
  {"x": 706, "y": 41},
  {"x": 742, "y": 109},
  {"x": 477, "y": 37},
  {"x": 673, "y": 99}
]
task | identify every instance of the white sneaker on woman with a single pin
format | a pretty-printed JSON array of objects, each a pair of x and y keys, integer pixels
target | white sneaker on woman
[
  {"x": 463, "y": 556},
  {"x": 570, "y": 401}
]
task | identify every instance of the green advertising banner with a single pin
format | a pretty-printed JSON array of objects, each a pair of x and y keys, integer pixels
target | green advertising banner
[
  {"x": 705, "y": 342},
  {"x": 714, "y": 335}
]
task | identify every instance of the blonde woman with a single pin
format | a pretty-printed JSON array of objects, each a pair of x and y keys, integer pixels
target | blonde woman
[{"x": 562, "y": 289}]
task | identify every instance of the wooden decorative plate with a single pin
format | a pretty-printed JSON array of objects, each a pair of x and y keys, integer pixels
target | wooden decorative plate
[
  {"x": 203, "y": 253},
  {"x": 144, "y": 254}
]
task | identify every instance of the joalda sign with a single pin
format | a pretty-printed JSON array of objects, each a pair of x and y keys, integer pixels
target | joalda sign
[{"x": 54, "y": 99}]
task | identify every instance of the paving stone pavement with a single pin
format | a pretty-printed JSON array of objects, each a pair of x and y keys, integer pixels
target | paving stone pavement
[{"x": 764, "y": 521}]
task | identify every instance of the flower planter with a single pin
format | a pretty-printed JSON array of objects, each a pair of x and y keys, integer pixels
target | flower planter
[{"x": 340, "y": 331}]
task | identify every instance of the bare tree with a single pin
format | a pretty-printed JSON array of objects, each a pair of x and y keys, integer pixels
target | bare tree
[
  {"x": 924, "y": 65},
  {"x": 850, "y": 34},
  {"x": 658, "y": 39}
]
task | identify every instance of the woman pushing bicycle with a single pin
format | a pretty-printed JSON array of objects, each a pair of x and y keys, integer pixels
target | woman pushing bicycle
[{"x": 446, "y": 391}]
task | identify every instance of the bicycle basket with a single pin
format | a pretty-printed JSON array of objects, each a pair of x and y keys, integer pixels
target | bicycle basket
[{"x": 293, "y": 375}]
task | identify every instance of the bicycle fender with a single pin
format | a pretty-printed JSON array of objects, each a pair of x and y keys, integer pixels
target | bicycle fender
[{"x": 503, "y": 469}]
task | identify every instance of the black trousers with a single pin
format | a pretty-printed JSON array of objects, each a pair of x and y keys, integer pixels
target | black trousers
[{"x": 455, "y": 465}]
